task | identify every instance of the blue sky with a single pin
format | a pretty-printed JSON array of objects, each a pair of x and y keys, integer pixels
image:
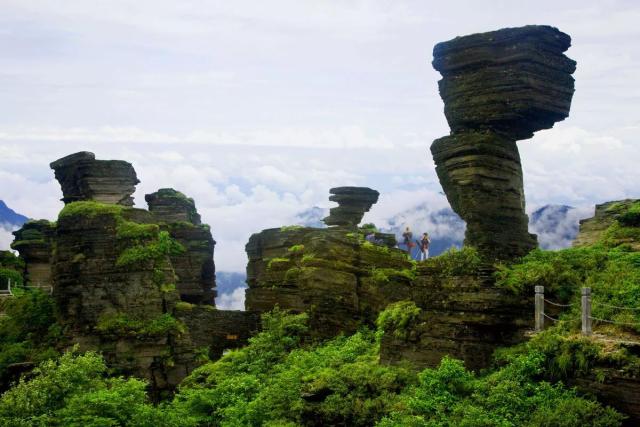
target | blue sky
[{"x": 257, "y": 108}]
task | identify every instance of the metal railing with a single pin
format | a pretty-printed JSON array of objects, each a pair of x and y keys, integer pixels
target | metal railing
[{"x": 586, "y": 318}]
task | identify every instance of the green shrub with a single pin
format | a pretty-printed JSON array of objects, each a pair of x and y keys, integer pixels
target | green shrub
[
  {"x": 511, "y": 396},
  {"x": 89, "y": 209},
  {"x": 291, "y": 228},
  {"x": 155, "y": 250},
  {"x": 28, "y": 331},
  {"x": 121, "y": 324},
  {"x": 135, "y": 231},
  {"x": 455, "y": 262},
  {"x": 397, "y": 318},
  {"x": 73, "y": 391},
  {"x": 296, "y": 249}
]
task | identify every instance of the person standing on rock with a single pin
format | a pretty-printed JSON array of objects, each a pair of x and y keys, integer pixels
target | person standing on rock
[
  {"x": 407, "y": 238},
  {"x": 424, "y": 246}
]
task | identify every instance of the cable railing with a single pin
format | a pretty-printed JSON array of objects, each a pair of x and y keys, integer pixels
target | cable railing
[{"x": 586, "y": 317}]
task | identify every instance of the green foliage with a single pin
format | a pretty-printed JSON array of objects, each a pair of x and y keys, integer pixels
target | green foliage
[
  {"x": 278, "y": 263},
  {"x": 120, "y": 324},
  {"x": 612, "y": 274},
  {"x": 511, "y": 396},
  {"x": 184, "y": 306},
  {"x": 631, "y": 218},
  {"x": 296, "y": 249},
  {"x": 10, "y": 274},
  {"x": 397, "y": 318},
  {"x": 28, "y": 330},
  {"x": 455, "y": 262},
  {"x": 135, "y": 231},
  {"x": 291, "y": 228},
  {"x": 73, "y": 391},
  {"x": 568, "y": 354},
  {"x": 274, "y": 381},
  {"x": 155, "y": 250},
  {"x": 89, "y": 209},
  {"x": 369, "y": 228},
  {"x": 9, "y": 260}
]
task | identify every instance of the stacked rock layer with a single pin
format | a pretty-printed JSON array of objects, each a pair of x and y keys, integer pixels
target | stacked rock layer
[
  {"x": 136, "y": 285},
  {"x": 195, "y": 270},
  {"x": 498, "y": 87},
  {"x": 82, "y": 177},
  {"x": 353, "y": 203}
]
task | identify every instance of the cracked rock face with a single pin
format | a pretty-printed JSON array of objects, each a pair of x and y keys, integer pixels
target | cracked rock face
[
  {"x": 82, "y": 177},
  {"x": 497, "y": 87},
  {"x": 353, "y": 203}
]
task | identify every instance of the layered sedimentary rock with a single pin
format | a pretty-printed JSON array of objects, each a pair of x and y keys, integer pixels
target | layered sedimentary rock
[
  {"x": 353, "y": 203},
  {"x": 498, "y": 87},
  {"x": 462, "y": 315},
  {"x": 82, "y": 177},
  {"x": 114, "y": 293},
  {"x": 592, "y": 230},
  {"x": 125, "y": 280},
  {"x": 171, "y": 206},
  {"x": 324, "y": 272},
  {"x": 194, "y": 267},
  {"x": 34, "y": 243}
]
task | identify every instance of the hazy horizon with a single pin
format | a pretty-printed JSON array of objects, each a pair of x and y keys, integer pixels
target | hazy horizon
[{"x": 255, "y": 109}]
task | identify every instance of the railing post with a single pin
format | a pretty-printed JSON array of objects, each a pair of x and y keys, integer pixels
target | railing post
[
  {"x": 586, "y": 311},
  {"x": 539, "y": 300}
]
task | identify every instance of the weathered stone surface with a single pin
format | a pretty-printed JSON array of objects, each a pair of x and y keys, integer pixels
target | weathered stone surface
[
  {"x": 218, "y": 330},
  {"x": 122, "y": 277},
  {"x": 513, "y": 81},
  {"x": 99, "y": 297},
  {"x": 171, "y": 206},
  {"x": 34, "y": 243},
  {"x": 498, "y": 87},
  {"x": 592, "y": 229},
  {"x": 465, "y": 317},
  {"x": 353, "y": 203},
  {"x": 195, "y": 269},
  {"x": 82, "y": 177},
  {"x": 620, "y": 391},
  {"x": 322, "y": 271},
  {"x": 482, "y": 177}
]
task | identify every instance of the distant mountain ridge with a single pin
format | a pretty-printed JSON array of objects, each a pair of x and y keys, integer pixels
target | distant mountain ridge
[
  {"x": 555, "y": 225},
  {"x": 9, "y": 218}
]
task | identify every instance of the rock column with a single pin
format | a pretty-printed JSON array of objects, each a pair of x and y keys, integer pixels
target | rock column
[{"x": 497, "y": 87}]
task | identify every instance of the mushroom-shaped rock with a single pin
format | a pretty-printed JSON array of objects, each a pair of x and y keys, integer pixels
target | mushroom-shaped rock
[
  {"x": 82, "y": 177},
  {"x": 497, "y": 87},
  {"x": 353, "y": 203},
  {"x": 170, "y": 206}
]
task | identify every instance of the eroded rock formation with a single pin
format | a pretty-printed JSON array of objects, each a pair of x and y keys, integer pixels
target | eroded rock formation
[
  {"x": 497, "y": 87},
  {"x": 353, "y": 203},
  {"x": 136, "y": 285},
  {"x": 195, "y": 269},
  {"x": 82, "y": 177},
  {"x": 34, "y": 243}
]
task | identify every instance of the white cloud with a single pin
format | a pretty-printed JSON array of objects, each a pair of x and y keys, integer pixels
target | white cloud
[
  {"x": 231, "y": 301},
  {"x": 5, "y": 236}
]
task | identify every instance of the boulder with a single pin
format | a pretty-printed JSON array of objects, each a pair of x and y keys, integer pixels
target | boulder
[
  {"x": 82, "y": 177},
  {"x": 353, "y": 203}
]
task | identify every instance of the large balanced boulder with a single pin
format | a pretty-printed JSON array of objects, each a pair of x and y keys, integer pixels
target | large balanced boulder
[
  {"x": 82, "y": 177},
  {"x": 353, "y": 203},
  {"x": 498, "y": 87}
]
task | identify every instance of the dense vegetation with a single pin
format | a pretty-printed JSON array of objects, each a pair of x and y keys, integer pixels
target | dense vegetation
[{"x": 281, "y": 380}]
